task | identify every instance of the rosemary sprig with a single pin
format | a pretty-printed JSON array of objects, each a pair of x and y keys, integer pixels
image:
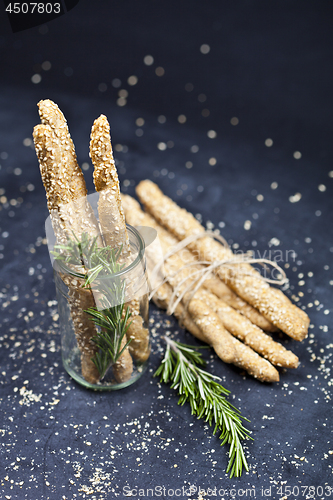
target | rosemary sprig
[
  {"x": 207, "y": 398},
  {"x": 113, "y": 323},
  {"x": 86, "y": 253},
  {"x": 113, "y": 320},
  {"x": 75, "y": 251}
]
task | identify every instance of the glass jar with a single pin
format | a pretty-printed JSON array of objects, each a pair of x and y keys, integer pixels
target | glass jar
[{"x": 104, "y": 322}]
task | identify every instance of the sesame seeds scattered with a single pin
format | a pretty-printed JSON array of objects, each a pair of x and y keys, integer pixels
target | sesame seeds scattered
[{"x": 98, "y": 480}]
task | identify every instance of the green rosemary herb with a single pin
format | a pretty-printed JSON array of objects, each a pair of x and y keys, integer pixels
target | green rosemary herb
[
  {"x": 113, "y": 327},
  {"x": 181, "y": 366}
]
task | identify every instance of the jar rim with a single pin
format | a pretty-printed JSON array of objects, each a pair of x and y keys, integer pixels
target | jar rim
[{"x": 123, "y": 271}]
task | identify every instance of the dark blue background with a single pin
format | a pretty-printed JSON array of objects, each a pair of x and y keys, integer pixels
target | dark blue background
[{"x": 269, "y": 65}]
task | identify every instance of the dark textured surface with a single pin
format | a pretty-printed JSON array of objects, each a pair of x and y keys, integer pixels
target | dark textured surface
[{"x": 269, "y": 65}]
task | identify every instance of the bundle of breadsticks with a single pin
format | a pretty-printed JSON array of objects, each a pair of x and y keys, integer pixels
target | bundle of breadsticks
[
  {"x": 233, "y": 309},
  {"x": 71, "y": 214}
]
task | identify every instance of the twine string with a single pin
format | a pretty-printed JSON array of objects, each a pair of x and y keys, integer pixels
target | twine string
[{"x": 195, "y": 279}]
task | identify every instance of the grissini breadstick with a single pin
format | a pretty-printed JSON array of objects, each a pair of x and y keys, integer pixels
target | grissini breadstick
[
  {"x": 135, "y": 216},
  {"x": 113, "y": 225},
  {"x": 242, "y": 278},
  {"x": 49, "y": 154},
  {"x": 212, "y": 330},
  {"x": 213, "y": 283},
  {"x": 80, "y": 299},
  {"x": 123, "y": 367},
  {"x": 250, "y": 334},
  {"x": 254, "y": 364},
  {"x": 111, "y": 218}
]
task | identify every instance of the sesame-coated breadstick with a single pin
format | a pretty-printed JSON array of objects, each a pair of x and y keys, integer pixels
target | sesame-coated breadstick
[
  {"x": 112, "y": 220},
  {"x": 255, "y": 365},
  {"x": 123, "y": 367},
  {"x": 250, "y": 334},
  {"x": 110, "y": 213},
  {"x": 242, "y": 278},
  {"x": 49, "y": 154},
  {"x": 210, "y": 324},
  {"x": 219, "y": 288}
]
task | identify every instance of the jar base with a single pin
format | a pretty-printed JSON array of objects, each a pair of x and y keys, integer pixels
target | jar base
[{"x": 105, "y": 386}]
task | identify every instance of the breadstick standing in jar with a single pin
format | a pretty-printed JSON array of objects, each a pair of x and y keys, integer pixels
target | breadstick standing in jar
[
  {"x": 112, "y": 220},
  {"x": 53, "y": 170},
  {"x": 111, "y": 217}
]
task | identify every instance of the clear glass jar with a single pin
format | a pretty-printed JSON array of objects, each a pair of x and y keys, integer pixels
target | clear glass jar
[{"x": 116, "y": 355}]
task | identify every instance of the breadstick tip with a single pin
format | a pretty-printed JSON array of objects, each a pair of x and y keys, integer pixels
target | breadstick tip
[{"x": 101, "y": 122}]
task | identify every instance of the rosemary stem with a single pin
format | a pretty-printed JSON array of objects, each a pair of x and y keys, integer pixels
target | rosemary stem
[{"x": 181, "y": 367}]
